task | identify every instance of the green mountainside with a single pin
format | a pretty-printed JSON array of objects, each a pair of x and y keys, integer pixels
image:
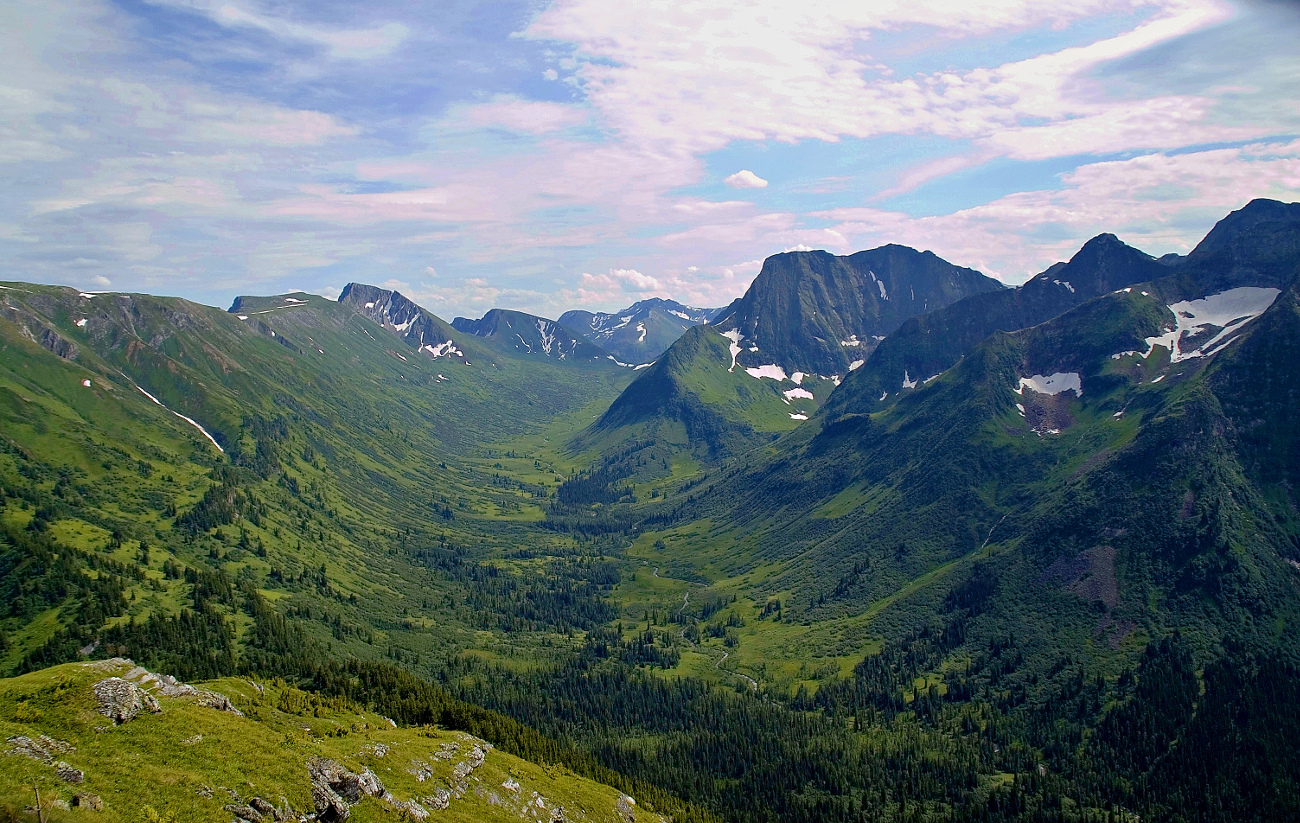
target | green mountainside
[
  {"x": 1058, "y": 580},
  {"x": 259, "y": 751},
  {"x": 642, "y": 331},
  {"x": 531, "y": 335},
  {"x": 765, "y": 363}
]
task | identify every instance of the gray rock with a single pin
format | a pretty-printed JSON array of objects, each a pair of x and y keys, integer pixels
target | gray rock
[
  {"x": 244, "y": 811},
  {"x": 370, "y": 783},
  {"x": 330, "y": 808},
  {"x": 440, "y": 800},
  {"x": 333, "y": 789},
  {"x": 88, "y": 801},
  {"x": 218, "y": 701},
  {"x": 38, "y": 749},
  {"x": 121, "y": 700},
  {"x": 68, "y": 774}
]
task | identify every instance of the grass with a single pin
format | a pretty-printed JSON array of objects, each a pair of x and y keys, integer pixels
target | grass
[{"x": 189, "y": 759}]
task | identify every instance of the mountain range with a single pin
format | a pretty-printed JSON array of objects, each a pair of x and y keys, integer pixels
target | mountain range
[
  {"x": 642, "y": 331},
  {"x": 881, "y": 540}
]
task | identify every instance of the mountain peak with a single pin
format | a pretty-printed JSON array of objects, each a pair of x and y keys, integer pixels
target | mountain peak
[
  {"x": 531, "y": 335},
  {"x": 819, "y": 313}
]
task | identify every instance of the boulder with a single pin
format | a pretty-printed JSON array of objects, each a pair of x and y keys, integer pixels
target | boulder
[
  {"x": 333, "y": 789},
  {"x": 68, "y": 774},
  {"x": 244, "y": 812},
  {"x": 370, "y": 783},
  {"x": 218, "y": 701},
  {"x": 121, "y": 700},
  {"x": 92, "y": 802},
  {"x": 330, "y": 808}
]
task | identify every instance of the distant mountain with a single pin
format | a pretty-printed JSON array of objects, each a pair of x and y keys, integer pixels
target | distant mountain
[
  {"x": 1254, "y": 245},
  {"x": 528, "y": 334},
  {"x": 1121, "y": 472},
  {"x": 642, "y": 331},
  {"x": 425, "y": 332},
  {"x": 766, "y": 362},
  {"x": 820, "y": 314}
]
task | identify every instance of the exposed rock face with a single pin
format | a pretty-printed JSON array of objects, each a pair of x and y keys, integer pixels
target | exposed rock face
[
  {"x": 88, "y": 801},
  {"x": 68, "y": 774},
  {"x": 121, "y": 700},
  {"x": 216, "y": 700},
  {"x": 41, "y": 748},
  {"x": 334, "y": 789}
]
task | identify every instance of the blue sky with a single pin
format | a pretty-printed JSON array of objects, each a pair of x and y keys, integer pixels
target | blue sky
[{"x": 581, "y": 153}]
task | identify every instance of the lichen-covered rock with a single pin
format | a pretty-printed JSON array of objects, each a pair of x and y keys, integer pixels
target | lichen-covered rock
[
  {"x": 93, "y": 802},
  {"x": 121, "y": 700},
  {"x": 68, "y": 774},
  {"x": 330, "y": 808},
  {"x": 370, "y": 783},
  {"x": 243, "y": 811},
  {"x": 40, "y": 748},
  {"x": 440, "y": 799},
  {"x": 218, "y": 701},
  {"x": 333, "y": 789}
]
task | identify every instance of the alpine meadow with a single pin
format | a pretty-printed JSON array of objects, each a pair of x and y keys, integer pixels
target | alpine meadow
[{"x": 973, "y": 495}]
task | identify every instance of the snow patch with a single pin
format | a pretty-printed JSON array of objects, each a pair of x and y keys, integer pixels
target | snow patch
[
  {"x": 643, "y": 366},
  {"x": 446, "y": 347},
  {"x": 883, "y": 395},
  {"x": 856, "y": 364},
  {"x": 85, "y": 383},
  {"x": 1020, "y": 409},
  {"x": 1230, "y": 311},
  {"x": 771, "y": 371},
  {"x": 81, "y": 324},
  {"x": 735, "y": 337},
  {"x": 1065, "y": 283},
  {"x": 798, "y": 416},
  {"x": 883, "y": 294},
  {"x": 683, "y": 315},
  {"x": 908, "y": 382},
  {"x": 370, "y": 305},
  {"x": 189, "y": 420},
  {"x": 930, "y": 379},
  {"x": 1052, "y": 383},
  {"x": 293, "y": 300},
  {"x": 852, "y": 341},
  {"x": 242, "y": 316},
  {"x": 641, "y": 328},
  {"x": 797, "y": 377},
  {"x": 1158, "y": 379},
  {"x": 403, "y": 327},
  {"x": 794, "y": 393}
]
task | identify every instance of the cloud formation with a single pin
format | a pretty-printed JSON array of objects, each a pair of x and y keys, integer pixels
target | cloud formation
[
  {"x": 745, "y": 179},
  {"x": 577, "y": 153}
]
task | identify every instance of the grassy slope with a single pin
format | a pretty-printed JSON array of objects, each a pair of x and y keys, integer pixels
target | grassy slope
[
  {"x": 881, "y": 516},
  {"x": 374, "y": 456},
  {"x": 165, "y": 761}
]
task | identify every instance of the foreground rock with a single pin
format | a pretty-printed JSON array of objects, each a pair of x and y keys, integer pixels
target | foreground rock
[{"x": 121, "y": 700}]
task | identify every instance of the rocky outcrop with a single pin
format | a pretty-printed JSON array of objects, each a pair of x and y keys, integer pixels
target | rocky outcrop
[
  {"x": 121, "y": 700},
  {"x": 40, "y": 748},
  {"x": 68, "y": 774},
  {"x": 335, "y": 789}
]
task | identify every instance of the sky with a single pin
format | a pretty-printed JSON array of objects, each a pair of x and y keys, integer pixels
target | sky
[{"x": 564, "y": 154}]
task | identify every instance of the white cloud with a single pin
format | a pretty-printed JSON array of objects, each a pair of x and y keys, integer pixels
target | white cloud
[
  {"x": 745, "y": 179},
  {"x": 1159, "y": 203},
  {"x": 347, "y": 44}
]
